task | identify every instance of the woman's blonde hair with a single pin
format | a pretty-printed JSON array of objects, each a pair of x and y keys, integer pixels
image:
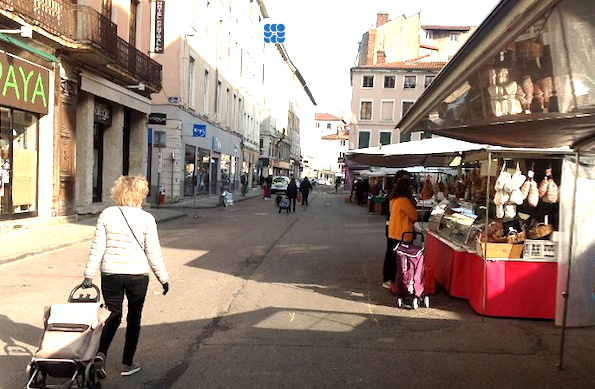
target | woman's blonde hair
[{"x": 129, "y": 191}]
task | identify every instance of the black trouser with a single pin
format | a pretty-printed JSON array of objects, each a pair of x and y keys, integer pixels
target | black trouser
[
  {"x": 305, "y": 197},
  {"x": 390, "y": 260},
  {"x": 292, "y": 200},
  {"x": 114, "y": 287}
]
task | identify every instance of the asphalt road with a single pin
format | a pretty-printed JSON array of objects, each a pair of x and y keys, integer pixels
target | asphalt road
[{"x": 266, "y": 300}]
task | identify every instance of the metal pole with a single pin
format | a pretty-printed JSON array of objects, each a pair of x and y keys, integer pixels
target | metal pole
[
  {"x": 158, "y": 175},
  {"x": 565, "y": 294},
  {"x": 485, "y": 243}
]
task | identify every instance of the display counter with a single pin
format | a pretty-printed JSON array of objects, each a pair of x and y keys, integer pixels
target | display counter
[{"x": 514, "y": 286}]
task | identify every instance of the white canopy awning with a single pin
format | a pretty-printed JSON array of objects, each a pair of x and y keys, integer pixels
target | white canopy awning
[{"x": 438, "y": 152}]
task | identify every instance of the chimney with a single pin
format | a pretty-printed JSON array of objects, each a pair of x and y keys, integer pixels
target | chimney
[
  {"x": 381, "y": 18},
  {"x": 380, "y": 56}
]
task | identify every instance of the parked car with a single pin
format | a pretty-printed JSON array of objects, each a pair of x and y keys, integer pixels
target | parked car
[
  {"x": 314, "y": 181},
  {"x": 279, "y": 184}
]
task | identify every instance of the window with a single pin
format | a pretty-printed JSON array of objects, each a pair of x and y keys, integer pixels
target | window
[
  {"x": 389, "y": 82},
  {"x": 410, "y": 82},
  {"x": 368, "y": 82},
  {"x": 405, "y": 138},
  {"x": 429, "y": 35},
  {"x": 106, "y": 8},
  {"x": 406, "y": 106},
  {"x": 328, "y": 126},
  {"x": 218, "y": 100},
  {"x": 342, "y": 144},
  {"x": 365, "y": 110},
  {"x": 317, "y": 125},
  {"x": 386, "y": 111},
  {"x": 132, "y": 22},
  {"x": 363, "y": 139},
  {"x": 191, "y": 81},
  {"x": 426, "y": 135},
  {"x": 454, "y": 36},
  {"x": 428, "y": 80},
  {"x": 385, "y": 137},
  {"x": 205, "y": 102}
]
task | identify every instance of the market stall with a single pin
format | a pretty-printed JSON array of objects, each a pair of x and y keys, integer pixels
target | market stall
[{"x": 525, "y": 79}]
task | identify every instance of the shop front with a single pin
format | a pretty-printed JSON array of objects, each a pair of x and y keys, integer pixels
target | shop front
[{"x": 25, "y": 99}]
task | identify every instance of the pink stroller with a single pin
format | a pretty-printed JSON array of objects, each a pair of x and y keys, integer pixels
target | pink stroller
[
  {"x": 410, "y": 274},
  {"x": 69, "y": 343}
]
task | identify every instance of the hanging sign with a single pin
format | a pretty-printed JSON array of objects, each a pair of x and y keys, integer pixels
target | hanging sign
[
  {"x": 23, "y": 84},
  {"x": 158, "y": 118},
  {"x": 159, "y": 26}
]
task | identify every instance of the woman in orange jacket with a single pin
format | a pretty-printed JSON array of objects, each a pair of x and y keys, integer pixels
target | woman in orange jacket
[{"x": 403, "y": 214}]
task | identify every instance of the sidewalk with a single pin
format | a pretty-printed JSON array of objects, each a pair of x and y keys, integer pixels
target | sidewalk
[{"x": 39, "y": 235}]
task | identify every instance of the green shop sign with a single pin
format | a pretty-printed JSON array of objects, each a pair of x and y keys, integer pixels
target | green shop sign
[{"x": 23, "y": 85}]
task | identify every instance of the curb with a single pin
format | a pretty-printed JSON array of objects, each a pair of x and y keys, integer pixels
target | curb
[{"x": 48, "y": 249}]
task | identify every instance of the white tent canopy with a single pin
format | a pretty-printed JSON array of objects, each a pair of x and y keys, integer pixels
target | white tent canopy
[{"x": 435, "y": 152}]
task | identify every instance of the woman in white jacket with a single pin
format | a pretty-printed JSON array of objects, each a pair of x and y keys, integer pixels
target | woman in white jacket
[{"x": 126, "y": 245}]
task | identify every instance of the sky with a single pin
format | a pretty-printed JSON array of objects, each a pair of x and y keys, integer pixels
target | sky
[{"x": 322, "y": 36}]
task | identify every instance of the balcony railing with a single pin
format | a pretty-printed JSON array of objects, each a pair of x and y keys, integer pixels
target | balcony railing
[
  {"x": 95, "y": 29},
  {"x": 84, "y": 25},
  {"x": 54, "y": 16},
  {"x": 138, "y": 63}
]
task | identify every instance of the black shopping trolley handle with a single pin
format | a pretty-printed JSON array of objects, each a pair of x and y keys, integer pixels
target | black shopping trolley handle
[
  {"x": 413, "y": 234},
  {"x": 85, "y": 298}
]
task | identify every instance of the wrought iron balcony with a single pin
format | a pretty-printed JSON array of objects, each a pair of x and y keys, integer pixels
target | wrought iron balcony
[{"x": 89, "y": 37}]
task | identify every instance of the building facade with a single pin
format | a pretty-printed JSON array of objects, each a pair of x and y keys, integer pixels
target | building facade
[
  {"x": 381, "y": 94},
  {"x": 397, "y": 60},
  {"x": 324, "y": 148},
  {"x": 93, "y": 123}
]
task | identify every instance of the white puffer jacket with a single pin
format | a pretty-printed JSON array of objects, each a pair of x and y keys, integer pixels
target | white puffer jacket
[{"x": 116, "y": 249}]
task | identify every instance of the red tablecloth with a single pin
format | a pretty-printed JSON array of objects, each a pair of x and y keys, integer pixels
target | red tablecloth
[{"x": 514, "y": 288}]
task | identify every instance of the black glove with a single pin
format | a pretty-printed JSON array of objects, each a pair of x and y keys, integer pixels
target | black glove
[
  {"x": 165, "y": 288},
  {"x": 87, "y": 283}
]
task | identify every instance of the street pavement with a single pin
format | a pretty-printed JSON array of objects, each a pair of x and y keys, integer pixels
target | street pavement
[{"x": 260, "y": 299}]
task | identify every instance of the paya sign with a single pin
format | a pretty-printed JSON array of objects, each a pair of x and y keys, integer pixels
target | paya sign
[{"x": 23, "y": 85}]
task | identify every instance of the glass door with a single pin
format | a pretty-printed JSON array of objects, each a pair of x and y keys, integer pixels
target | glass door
[{"x": 5, "y": 189}]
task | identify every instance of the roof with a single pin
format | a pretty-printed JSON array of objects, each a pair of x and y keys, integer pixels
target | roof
[
  {"x": 342, "y": 135},
  {"x": 446, "y": 28},
  {"x": 406, "y": 65},
  {"x": 425, "y": 46},
  {"x": 327, "y": 117}
]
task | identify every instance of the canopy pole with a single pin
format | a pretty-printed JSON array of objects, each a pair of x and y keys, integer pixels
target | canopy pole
[
  {"x": 485, "y": 245},
  {"x": 565, "y": 294}
]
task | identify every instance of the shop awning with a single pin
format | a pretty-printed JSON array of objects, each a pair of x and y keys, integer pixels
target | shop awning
[
  {"x": 29, "y": 48},
  {"x": 523, "y": 79},
  {"x": 435, "y": 152},
  {"x": 440, "y": 152}
]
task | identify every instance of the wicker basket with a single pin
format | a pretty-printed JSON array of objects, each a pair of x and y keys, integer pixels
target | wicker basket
[{"x": 540, "y": 231}]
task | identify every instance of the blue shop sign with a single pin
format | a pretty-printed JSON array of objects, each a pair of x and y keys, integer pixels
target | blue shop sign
[{"x": 199, "y": 131}]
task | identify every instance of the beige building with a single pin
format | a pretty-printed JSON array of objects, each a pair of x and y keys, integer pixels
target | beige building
[
  {"x": 212, "y": 97},
  {"x": 324, "y": 148},
  {"x": 97, "y": 82},
  {"x": 396, "y": 61}
]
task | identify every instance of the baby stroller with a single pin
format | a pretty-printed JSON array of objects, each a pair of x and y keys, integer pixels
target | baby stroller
[
  {"x": 69, "y": 343},
  {"x": 284, "y": 204},
  {"x": 410, "y": 274}
]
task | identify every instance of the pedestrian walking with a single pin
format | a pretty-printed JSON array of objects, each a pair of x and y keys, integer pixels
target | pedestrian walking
[
  {"x": 403, "y": 214},
  {"x": 126, "y": 245},
  {"x": 337, "y": 184},
  {"x": 269, "y": 181},
  {"x": 305, "y": 188},
  {"x": 244, "y": 181},
  {"x": 292, "y": 192}
]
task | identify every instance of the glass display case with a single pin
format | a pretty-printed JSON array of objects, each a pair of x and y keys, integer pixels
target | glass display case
[{"x": 457, "y": 220}]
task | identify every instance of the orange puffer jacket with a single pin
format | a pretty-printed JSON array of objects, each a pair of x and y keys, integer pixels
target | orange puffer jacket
[{"x": 402, "y": 216}]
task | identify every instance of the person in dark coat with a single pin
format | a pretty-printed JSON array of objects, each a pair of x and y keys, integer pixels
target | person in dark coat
[
  {"x": 292, "y": 192},
  {"x": 305, "y": 188},
  {"x": 269, "y": 181},
  {"x": 360, "y": 191}
]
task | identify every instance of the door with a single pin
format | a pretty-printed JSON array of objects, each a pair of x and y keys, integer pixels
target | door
[
  {"x": 214, "y": 174},
  {"x": 67, "y": 147},
  {"x": 97, "y": 162}
]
